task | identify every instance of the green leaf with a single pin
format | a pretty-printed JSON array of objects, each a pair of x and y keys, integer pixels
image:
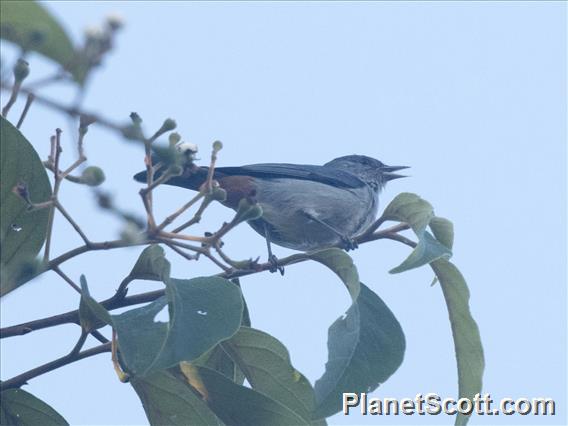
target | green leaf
[
  {"x": 342, "y": 264},
  {"x": 443, "y": 230},
  {"x": 203, "y": 311},
  {"x": 21, "y": 408},
  {"x": 217, "y": 358},
  {"x": 92, "y": 315},
  {"x": 266, "y": 364},
  {"x": 365, "y": 346},
  {"x": 427, "y": 250},
  {"x": 241, "y": 406},
  {"x": 169, "y": 401},
  {"x": 467, "y": 341},
  {"x": 29, "y": 25},
  {"x": 418, "y": 213},
  {"x": 22, "y": 232},
  {"x": 151, "y": 265},
  {"x": 410, "y": 208}
]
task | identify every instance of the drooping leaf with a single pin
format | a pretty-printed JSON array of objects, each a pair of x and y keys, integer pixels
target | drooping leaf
[
  {"x": 342, "y": 265},
  {"x": 203, "y": 311},
  {"x": 266, "y": 364},
  {"x": 418, "y": 213},
  {"x": 21, "y": 408},
  {"x": 412, "y": 209},
  {"x": 29, "y": 25},
  {"x": 365, "y": 346},
  {"x": 92, "y": 315},
  {"x": 467, "y": 341},
  {"x": 22, "y": 232},
  {"x": 241, "y": 406},
  {"x": 169, "y": 401},
  {"x": 151, "y": 265},
  {"x": 427, "y": 250},
  {"x": 443, "y": 230}
]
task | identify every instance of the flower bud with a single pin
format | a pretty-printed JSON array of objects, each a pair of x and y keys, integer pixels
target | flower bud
[
  {"x": 114, "y": 21},
  {"x": 247, "y": 211},
  {"x": 217, "y": 146},
  {"x": 21, "y": 70},
  {"x": 218, "y": 194},
  {"x": 174, "y": 138},
  {"x": 93, "y": 176},
  {"x": 136, "y": 119},
  {"x": 168, "y": 125}
]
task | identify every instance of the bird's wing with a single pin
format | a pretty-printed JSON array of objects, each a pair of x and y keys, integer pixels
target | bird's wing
[{"x": 322, "y": 174}]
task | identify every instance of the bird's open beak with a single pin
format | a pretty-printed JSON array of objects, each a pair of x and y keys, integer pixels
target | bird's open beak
[{"x": 388, "y": 175}]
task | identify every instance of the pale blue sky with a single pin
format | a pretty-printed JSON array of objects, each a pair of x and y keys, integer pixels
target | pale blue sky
[{"x": 471, "y": 95}]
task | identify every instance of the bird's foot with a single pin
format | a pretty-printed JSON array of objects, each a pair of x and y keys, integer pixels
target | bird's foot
[
  {"x": 275, "y": 264},
  {"x": 348, "y": 243}
]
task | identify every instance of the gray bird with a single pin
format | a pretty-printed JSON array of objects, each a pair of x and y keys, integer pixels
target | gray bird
[{"x": 305, "y": 207}]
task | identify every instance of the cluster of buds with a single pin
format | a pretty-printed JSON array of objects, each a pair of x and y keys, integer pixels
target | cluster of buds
[{"x": 100, "y": 40}]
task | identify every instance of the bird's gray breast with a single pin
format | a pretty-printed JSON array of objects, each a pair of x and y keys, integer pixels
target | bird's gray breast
[{"x": 288, "y": 204}]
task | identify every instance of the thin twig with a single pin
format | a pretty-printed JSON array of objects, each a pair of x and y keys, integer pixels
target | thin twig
[
  {"x": 59, "y": 75},
  {"x": 70, "y": 178},
  {"x": 72, "y": 317},
  {"x": 182, "y": 209},
  {"x": 119, "y": 301},
  {"x": 72, "y": 222},
  {"x": 56, "y": 153},
  {"x": 181, "y": 252},
  {"x": 374, "y": 226},
  {"x": 211, "y": 171},
  {"x": 22, "y": 379},
  {"x": 13, "y": 96},
  {"x": 80, "y": 343},
  {"x": 382, "y": 234},
  {"x": 185, "y": 237},
  {"x": 164, "y": 177},
  {"x": 98, "y": 335},
  {"x": 213, "y": 259},
  {"x": 29, "y": 101},
  {"x": 68, "y": 280},
  {"x": 116, "y": 301},
  {"x": 196, "y": 217},
  {"x": 123, "y": 288},
  {"x": 74, "y": 112},
  {"x": 200, "y": 250},
  {"x": 228, "y": 260},
  {"x": 146, "y": 194}
]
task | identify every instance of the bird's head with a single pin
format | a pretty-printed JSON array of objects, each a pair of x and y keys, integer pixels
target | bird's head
[{"x": 371, "y": 171}]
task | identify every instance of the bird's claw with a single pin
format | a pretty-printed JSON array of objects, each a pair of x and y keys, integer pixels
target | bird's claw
[
  {"x": 348, "y": 243},
  {"x": 275, "y": 264}
]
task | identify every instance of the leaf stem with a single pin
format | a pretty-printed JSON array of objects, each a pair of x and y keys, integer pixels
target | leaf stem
[
  {"x": 55, "y": 154},
  {"x": 13, "y": 96},
  {"x": 29, "y": 101}
]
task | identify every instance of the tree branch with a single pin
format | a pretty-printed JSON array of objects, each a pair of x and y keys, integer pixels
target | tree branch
[
  {"x": 71, "y": 111},
  {"x": 119, "y": 300},
  {"x": 71, "y": 357}
]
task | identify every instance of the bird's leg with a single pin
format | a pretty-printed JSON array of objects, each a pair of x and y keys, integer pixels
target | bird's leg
[
  {"x": 347, "y": 242},
  {"x": 275, "y": 266}
]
